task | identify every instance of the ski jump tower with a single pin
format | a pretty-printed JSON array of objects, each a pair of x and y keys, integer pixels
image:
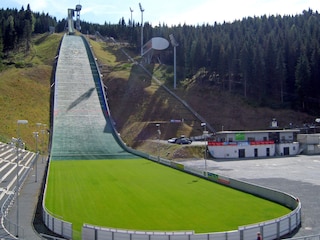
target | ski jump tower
[
  {"x": 71, "y": 29},
  {"x": 78, "y": 9}
]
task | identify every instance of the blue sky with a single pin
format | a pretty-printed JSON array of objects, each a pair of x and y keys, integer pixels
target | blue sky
[{"x": 171, "y": 12}]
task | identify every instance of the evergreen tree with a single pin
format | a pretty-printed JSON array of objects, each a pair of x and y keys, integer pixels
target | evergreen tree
[
  {"x": 28, "y": 27},
  {"x": 281, "y": 75},
  {"x": 271, "y": 60},
  {"x": 302, "y": 74},
  {"x": 10, "y": 36}
]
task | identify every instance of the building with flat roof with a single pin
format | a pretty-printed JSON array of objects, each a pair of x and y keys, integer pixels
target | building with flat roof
[{"x": 252, "y": 144}]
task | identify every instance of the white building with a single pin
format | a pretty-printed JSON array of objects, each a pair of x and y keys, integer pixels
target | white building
[
  {"x": 250, "y": 144},
  {"x": 310, "y": 143}
]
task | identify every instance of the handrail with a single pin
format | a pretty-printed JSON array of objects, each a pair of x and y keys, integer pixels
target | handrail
[{"x": 9, "y": 201}]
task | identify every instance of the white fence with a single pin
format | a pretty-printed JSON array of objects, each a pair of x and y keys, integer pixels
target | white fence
[
  {"x": 9, "y": 191},
  {"x": 270, "y": 230},
  {"x": 57, "y": 225},
  {"x": 274, "y": 229}
]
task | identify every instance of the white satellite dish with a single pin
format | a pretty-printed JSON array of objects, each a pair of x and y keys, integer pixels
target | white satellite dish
[
  {"x": 159, "y": 43},
  {"x": 156, "y": 43}
]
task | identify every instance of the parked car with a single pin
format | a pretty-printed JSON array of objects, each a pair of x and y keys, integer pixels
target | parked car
[
  {"x": 172, "y": 140},
  {"x": 183, "y": 140}
]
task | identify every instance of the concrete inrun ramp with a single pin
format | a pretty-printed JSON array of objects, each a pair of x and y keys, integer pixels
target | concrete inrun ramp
[{"x": 81, "y": 126}]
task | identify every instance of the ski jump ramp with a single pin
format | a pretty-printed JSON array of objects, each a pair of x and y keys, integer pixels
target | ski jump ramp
[
  {"x": 82, "y": 127},
  {"x": 83, "y": 130}
]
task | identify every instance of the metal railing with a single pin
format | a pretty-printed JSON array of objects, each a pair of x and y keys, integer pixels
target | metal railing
[{"x": 7, "y": 225}]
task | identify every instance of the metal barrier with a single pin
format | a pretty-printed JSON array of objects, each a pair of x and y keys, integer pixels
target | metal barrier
[
  {"x": 273, "y": 229},
  {"x": 55, "y": 223},
  {"x": 270, "y": 230},
  {"x": 8, "y": 226}
]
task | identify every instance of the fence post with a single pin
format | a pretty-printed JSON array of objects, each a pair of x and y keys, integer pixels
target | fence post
[
  {"x": 95, "y": 234},
  {"x": 241, "y": 234},
  {"x": 290, "y": 229},
  {"x": 278, "y": 229}
]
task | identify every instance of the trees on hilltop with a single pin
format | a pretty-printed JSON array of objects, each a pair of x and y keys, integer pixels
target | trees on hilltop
[{"x": 270, "y": 60}]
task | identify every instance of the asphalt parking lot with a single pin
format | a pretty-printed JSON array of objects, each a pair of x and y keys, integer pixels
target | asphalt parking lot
[{"x": 298, "y": 176}]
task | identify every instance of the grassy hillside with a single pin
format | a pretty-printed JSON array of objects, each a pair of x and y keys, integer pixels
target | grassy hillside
[
  {"x": 25, "y": 89},
  {"x": 137, "y": 103}
]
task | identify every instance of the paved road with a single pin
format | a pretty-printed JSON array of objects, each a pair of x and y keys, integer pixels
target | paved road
[
  {"x": 30, "y": 220},
  {"x": 8, "y": 185},
  {"x": 298, "y": 176}
]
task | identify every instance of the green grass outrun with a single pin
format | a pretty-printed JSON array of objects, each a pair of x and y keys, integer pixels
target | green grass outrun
[{"x": 143, "y": 195}]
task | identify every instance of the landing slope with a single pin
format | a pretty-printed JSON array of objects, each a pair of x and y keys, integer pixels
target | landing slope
[{"x": 81, "y": 126}]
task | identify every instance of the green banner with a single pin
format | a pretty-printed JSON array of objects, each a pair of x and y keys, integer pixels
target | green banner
[{"x": 240, "y": 137}]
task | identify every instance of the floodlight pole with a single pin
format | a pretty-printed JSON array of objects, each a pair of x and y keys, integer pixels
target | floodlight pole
[
  {"x": 174, "y": 68},
  {"x": 43, "y": 131},
  {"x": 39, "y": 125},
  {"x": 142, "y": 10},
  {"x": 174, "y": 44},
  {"x": 18, "y": 143},
  {"x": 131, "y": 10},
  {"x": 205, "y": 132},
  {"x": 36, "y": 135},
  {"x": 159, "y": 135}
]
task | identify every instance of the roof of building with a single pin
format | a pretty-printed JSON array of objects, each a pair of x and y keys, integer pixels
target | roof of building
[{"x": 260, "y": 131}]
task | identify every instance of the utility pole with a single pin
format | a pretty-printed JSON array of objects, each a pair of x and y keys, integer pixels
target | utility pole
[{"x": 174, "y": 43}]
